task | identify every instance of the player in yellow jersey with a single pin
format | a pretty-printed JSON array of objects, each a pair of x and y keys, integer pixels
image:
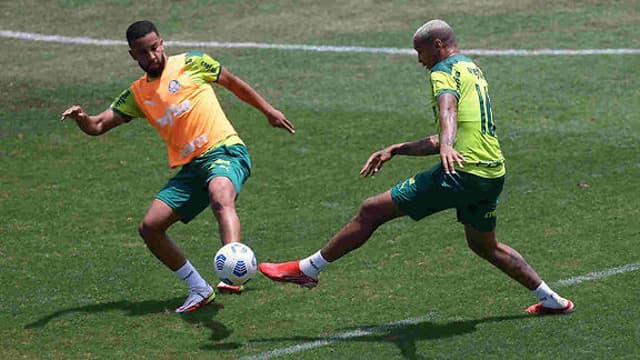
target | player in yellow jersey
[
  {"x": 176, "y": 97},
  {"x": 468, "y": 178}
]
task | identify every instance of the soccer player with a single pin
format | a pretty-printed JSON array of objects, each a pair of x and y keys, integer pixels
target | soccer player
[
  {"x": 469, "y": 176},
  {"x": 176, "y": 97}
]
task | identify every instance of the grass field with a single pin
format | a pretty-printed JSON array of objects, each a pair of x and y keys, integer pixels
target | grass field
[{"x": 76, "y": 281}]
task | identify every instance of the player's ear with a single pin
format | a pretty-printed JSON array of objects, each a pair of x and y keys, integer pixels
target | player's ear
[
  {"x": 131, "y": 54},
  {"x": 438, "y": 43}
]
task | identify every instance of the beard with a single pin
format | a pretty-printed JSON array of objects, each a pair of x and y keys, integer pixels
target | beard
[{"x": 154, "y": 70}]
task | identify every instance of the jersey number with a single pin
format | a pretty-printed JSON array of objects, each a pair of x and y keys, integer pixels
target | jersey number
[{"x": 486, "y": 116}]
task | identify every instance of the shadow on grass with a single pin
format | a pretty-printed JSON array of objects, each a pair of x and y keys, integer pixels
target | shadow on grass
[
  {"x": 203, "y": 317},
  {"x": 130, "y": 308},
  {"x": 404, "y": 336}
]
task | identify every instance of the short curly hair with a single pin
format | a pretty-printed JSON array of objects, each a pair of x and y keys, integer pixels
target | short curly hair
[{"x": 139, "y": 29}]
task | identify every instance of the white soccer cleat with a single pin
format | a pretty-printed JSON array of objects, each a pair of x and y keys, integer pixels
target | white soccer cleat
[{"x": 197, "y": 298}]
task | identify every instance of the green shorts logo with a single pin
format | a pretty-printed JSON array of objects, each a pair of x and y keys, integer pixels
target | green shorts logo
[
  {"x": 490, "y": 214},
  {"x": 221, "y": 163},
  {"x": 409, "y": 181}
]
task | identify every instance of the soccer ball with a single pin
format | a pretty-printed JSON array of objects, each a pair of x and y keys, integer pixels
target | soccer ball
[{"x": 235, "y": 264}]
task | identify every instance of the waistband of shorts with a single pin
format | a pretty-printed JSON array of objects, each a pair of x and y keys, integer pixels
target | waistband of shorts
[
  {"x": 228, "y": 141},
  {"x": 487, "y": 164}
]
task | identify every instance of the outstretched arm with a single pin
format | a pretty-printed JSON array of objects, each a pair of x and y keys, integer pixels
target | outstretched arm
[
  {"x": 443, "y": 143},
  {"x": 93, "y": 125},
  {"x": 247, "y": 94},
  {"x": 427, "y": 146}
]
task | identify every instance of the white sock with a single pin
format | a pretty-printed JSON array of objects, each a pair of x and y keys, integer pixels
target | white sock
[
  {"x": 312, "y": 265},
  {"x": 190, "y": 276},
  {"x": 548, "y": 297}
]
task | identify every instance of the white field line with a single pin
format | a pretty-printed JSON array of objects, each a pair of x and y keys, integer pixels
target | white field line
[
  {"x": 412, "y": 321},
  {"x": 344, "y": 336},
  {"x": 318, "y": 48},
  {"x": 596, "y": 275}
]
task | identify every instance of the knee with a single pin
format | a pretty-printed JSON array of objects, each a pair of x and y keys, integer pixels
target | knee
[
  {"x": 218, "y": 205},
  {"x": 369, "y": 213},
  {"x": 222, "y": 194},
  {"x": 147, "y": 230},
  {"x": 142, "y": 229}
]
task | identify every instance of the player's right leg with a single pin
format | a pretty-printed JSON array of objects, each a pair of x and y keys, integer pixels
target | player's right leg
[
  {"x": 153, "y": 229},
  {"x": 505, "y": 258},
  {"x": 479, "y": 219},
  {"x": 373, "y": 212}
]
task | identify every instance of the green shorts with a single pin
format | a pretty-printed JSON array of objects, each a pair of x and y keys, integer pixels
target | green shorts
[
  {"x": 187, "y": 192},
  {"x": 475, "y": 198}
]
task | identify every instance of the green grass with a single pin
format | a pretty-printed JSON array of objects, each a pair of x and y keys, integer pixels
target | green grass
[{"x": 77, "y": 282}]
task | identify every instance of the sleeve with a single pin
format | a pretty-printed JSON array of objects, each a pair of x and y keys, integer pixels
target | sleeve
[
  {"x": 442, "y": 82},
  {"x": 202, "y": 66},
  {"x": 126, "y": 106}
]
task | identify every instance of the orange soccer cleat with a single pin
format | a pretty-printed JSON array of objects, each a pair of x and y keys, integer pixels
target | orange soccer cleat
[
  {"x": 287, "y": 272},
  {"x": 538, "y": 309}
]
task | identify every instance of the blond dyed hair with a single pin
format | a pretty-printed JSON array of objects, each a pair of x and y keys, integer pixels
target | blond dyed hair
[{"x": 436, "y": 29}]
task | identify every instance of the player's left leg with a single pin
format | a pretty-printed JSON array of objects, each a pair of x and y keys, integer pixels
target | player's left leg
[
  {"x": 418, "y": 196},
  {"x": 227, "y": 169},
  {"x": 222, "y": 195},
  {"x": 507, "y": 259},
  {"x": 373, "y": 212}
]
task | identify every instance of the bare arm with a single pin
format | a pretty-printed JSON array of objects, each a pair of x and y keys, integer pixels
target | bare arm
[
  {"x": 443, "y": 144},
  {"x": 247, "y": 94},
  {"x": 427, "y": 146},
  {"x": 448, "y": 119},
  {"x": 93, "y": 125}
]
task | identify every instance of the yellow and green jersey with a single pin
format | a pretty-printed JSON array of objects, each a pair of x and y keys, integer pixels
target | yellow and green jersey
[
  {"x": 181, "y": 105},
  {"x": 476, "y": 138}
]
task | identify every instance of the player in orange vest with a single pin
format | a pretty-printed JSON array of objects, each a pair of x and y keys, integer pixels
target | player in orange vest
[{"x": 176, "y": 97}]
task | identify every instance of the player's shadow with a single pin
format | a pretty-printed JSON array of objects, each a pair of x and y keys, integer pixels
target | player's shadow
[
  {"x": 204, "y": 317},
  {"x": 130, "y": 308},
  {"x": 404, "y": 336}
]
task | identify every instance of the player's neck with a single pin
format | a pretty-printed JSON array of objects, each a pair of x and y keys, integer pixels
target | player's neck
[
  {"x": 452, "y": 51},
  {"x": 449, "y": 52}
]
